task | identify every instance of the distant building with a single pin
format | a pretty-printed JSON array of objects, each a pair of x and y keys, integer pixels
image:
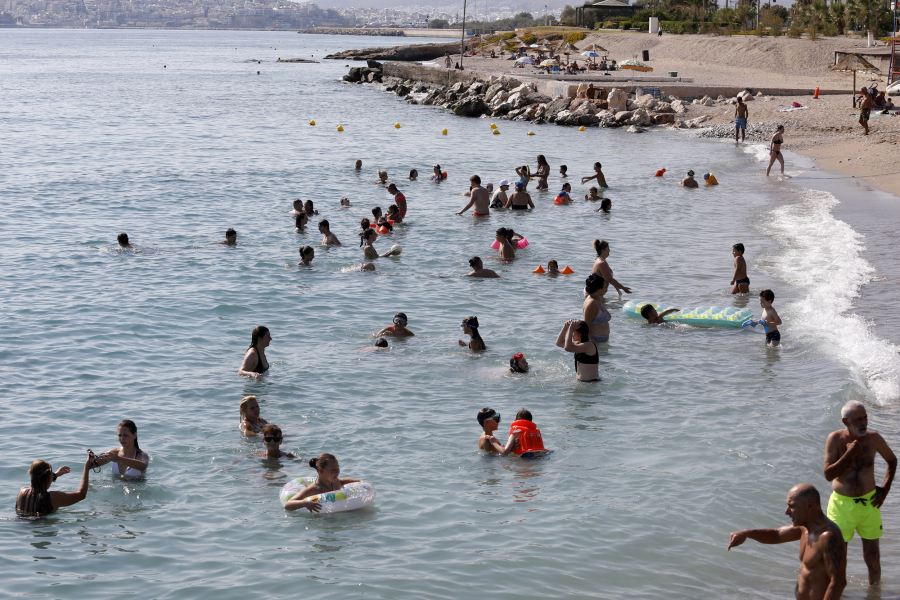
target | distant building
[{"x": 603, "y": 11}]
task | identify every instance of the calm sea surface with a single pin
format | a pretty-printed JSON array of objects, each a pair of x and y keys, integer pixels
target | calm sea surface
[{"x": 172, "y": 137}]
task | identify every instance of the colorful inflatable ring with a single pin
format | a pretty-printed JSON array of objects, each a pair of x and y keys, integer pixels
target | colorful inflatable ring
[
  {"x": 349, "y": 497},
  {"x": 704, "y": 315}
]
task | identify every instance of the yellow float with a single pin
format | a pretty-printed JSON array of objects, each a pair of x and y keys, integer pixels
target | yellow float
[
  {"x": 340, "y": 127},
  {"x": 311, "y": 122}
]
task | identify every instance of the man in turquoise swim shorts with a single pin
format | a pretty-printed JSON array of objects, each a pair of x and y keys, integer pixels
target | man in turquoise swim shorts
[
  {"x": 740, "y": 119},
  {"x": 855, "y": 503}
]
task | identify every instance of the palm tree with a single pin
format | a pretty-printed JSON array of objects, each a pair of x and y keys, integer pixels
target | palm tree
[{"x": 838, "y": 11}]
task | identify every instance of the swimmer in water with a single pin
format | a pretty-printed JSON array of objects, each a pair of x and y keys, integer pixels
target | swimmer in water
[
  {"x": 520, "y": 199},
  {"x": 518, "y": 364},
  {"x": 380, "y": 344},
  {"x": 328, "y": 238},
  {"x": 122, "y": 238},
  {"x": 358, "y": 165},
  {"x": 469, "y": 327},
  {"x": 272, "y": 438},
  {"x": 563, "y": 171},
  {"x": 507, "y": 252},
  {"x": 307, "y": 254},
  {"x": 437, "y": 174},
  {"x": 602, "y": 268},
  {"x": 542, "y": 173},
  {"x": 575, "y": 337},
  {"x": 489, "y": 419},
  {"x": 500, "y": 199},
  {"x": 478, "y": 269},
  {"x": 364, "y": 223},
  {"x": 598, "y": 175},
  {"x": 399, "y": 198},
  {"x": 329, "y": 480},
  {"x": 367, "y": 267},
  {"x": 255, "y": 363},
  {"x": 739, "y": 281},
  {"x": 524, "y": 174},
  {"x": 605, "y": 206},
  {"x": 127, "y": 459},
  {"x": 300, "y": 222},
  {"x": 593, "y": 310},
  {"x": 593, "y": 196},
  {"x": 553, "y": 267},
  {"x": 369, "y": 237},
  {"x": 37, "y": 499},
  {"x": 251, "y": 423},
  {"x": 479, "y": 198},
  {"x": 230, "y": 237},
  {"x": 654, "y": 318},
  {"x": 413, "y": 175},
  {"x": 398, "y": 329},
  {"x": 382, "y": 178},
  {"x": 689, "y": 181},
  {"x": 345, "y": 202},
  {"x": 393, "y": 214},
  {"x": 297, "y": 207},
  {"x": 565, "y": 194},
  {"x": 308, "y": 208}
]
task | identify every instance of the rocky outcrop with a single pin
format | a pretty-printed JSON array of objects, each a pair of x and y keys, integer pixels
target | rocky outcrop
[
  {"x": 297, "y": 60},
  {"x": 413, "y": 52},
  {"x": 355, "y": 31}
]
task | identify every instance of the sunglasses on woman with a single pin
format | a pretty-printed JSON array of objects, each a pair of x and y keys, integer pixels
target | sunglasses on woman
[{"x": 272, "y": 438}]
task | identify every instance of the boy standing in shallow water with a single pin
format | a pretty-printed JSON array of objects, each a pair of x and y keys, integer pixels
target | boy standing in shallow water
[
  {"x": 489, "y": 419},
  {"x": 739, "y": 281},
  {"x": 770, "y": 319}
]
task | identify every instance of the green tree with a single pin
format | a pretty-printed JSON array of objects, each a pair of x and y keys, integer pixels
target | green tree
[
  {"x": 438, "y": 24},
  {"x": 568, "y": 16}
]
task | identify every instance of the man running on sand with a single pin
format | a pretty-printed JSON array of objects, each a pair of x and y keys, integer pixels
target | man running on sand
[
  {"x": 856, "y": 502},
  {"x": 479, "y": 197},
  {"x": 740, "y": 119},
  {"x": 823, "y": 558}
]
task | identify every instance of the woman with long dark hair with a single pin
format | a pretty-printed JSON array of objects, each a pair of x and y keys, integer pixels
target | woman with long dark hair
[
  {"x": 128, "y": 459},
  {"x": 37, "y": 499},
  {"x": 593, "y": 311},
  {"x": 542, "y": 173},
  {"x": 255, "y": 363},
  {"x": 602, "y": 268},
  {"x": 469, "y": 327}
]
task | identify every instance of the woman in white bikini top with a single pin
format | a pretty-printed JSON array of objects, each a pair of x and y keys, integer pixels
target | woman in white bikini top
[{"x": 129, "y": 459}]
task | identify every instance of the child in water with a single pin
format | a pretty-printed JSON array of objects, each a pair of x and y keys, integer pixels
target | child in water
[
  {"x": 398, "y": 329},
  {"x": 531, "y": 444},
  {"x": 770, "y": 319},
  {"x": 272, "y": 437},
  {"x": 518, "y": 364},
  {"x": 413, "y": 175},
  {"x": 593, "y": 197},
  {"x": 739, "y": 281},
  {"x": 563, "y": 171},
  {"x": 553, "y": 267},
  {"x": 328, "y": 469},
  {"x": 654, "y": 318},
  {"x": 489, "y": 419},
  {"x": 251, "y": 422}
]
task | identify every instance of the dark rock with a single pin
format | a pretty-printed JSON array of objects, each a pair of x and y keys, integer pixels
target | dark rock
[
  {"x": 588, "y": 120},
  {"x": 402, "y": 90},
  {"x": 413, "y": 52},
  {"x": 355, "y": 74},
  {"x": 470, "y": 107},
  {"x": 296, "y": 60},
  {"x": 373, "y": 64},
  {"x": 537, "y": 98},
  {"x": 555, "y": 107}
]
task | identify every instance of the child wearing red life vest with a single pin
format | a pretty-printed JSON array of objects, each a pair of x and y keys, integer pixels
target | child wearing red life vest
[{"x": 530, "y": 445}]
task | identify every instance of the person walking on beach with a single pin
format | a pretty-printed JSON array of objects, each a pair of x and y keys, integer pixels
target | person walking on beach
[
  {"x": 855, "y": 503},
  {"x": 740, "y": 119},
  {"x": 448, "y": 62},
  {"x": 823, "y": 558},
  {"x": 865, "y": 108},
  {"x": 478, "y": 197},
  {"x": 775, "y": 149}
]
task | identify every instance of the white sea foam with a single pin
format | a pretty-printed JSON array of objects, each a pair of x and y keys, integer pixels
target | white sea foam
[{"x": 823, "y": 257}]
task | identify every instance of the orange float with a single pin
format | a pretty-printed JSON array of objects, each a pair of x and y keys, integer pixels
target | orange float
[{"x": 530, "y": 439}]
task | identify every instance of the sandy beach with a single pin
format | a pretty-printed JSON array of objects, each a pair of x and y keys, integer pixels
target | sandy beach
[{"x": 827, "y": 130}]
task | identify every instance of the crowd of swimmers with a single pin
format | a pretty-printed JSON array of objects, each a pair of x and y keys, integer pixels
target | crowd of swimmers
[{"x": 855, "y": 502}]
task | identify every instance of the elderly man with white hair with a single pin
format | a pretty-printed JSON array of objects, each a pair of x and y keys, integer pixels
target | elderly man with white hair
[{"x": 855, "y": 503}]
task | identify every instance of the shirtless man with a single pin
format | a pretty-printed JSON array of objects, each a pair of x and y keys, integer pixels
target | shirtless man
[
  {"x": 520, "y": 199},
  {"x": 230, "y": 237},
  {"x": 328, "y": 238},
  {"x": 823, "y": 558},
  {"x": 865, "y": 108},
  {"x": 856, "y": 502},
  {"x": 689, "y": 181},
  {"x": 740, "y": 119},
  {"x": 479, "y": 197},
  {"x": 122, "y": 238}
]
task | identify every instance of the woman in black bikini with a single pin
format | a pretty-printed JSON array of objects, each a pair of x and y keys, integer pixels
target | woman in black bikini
[
  {"x": 329, "y": 481},
  {"x": 255, "y": 363},
  {"x": 37, "y": 500},
  {"x": 775, "y": 150},
  {"x": 575, "y": 337},
  {"x": 469, "y": 327}
]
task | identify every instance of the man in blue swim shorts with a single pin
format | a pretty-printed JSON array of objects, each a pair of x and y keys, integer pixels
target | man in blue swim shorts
[
  {"x": 855, "y": 504},
  {"x": 740, "y": 119}
]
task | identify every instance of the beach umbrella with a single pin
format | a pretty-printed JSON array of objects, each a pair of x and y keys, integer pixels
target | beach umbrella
[
  {"x": 526, "y": 60},
  {"x": 635, "y": 65},
  {"x": 590, "y": 54},
  {"x": 596, "y": 48},
  {"x": 535, "y": 46},
  {"x": 550, "y": 63},
  {"x": 854, "y": 62}
]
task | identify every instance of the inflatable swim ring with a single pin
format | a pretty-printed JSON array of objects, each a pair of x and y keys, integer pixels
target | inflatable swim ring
[
  {"x": 523, "y": 243},
  {"x": 382, "y": 229},
  {"x": 704, "y": 315},
  {"x": 349, "y": 497}
]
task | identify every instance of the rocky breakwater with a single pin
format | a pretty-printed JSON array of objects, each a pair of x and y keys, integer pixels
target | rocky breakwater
[
  {"x": 412, "y": 52},
  {"x": 511, "y": 99},
  {"x": 355, "y": 31},
  {"x": 371, "y": 73}
]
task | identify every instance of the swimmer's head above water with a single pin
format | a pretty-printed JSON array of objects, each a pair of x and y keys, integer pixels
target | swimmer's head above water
[
  {"x": 122, "y": 238},
  {"x": 249, "y": 409},
  {"x": 518, "y": 364},
  {"x": 368, "y": 237},
  {"x": 400, "y": 319},
  {"x": 298, "y": 205},
  {"x": 488, "y": 417},
  {"x": 358, "y": 165},
  {"x": 381, "y": 343},
  {"x": 476, "y": 263},
  {"x": 594, "y": 283},
  {"x": 306, "y": 255},
  {"x": 552, "y": 266},
  {"x": 601, "y": 247},
  {"x": 345, "y": 201},
  {"x": 301, "y": 220},
  {"x": 413, "y": 175},
  {"x": 230, "y": 235}
]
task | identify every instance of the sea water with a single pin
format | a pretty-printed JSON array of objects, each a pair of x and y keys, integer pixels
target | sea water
[{"x": 172, "y": 137}]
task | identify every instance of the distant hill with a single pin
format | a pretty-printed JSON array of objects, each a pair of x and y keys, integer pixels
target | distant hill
[{"x": 535, "y": 7}]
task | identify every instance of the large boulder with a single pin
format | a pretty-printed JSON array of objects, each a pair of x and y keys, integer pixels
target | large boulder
[
  {"x": 623, "y": 115},
  {"x": 567, "y": 117},
  {"x": 517, "y": 100},
  {"x": 498, "y": 99},
  {"x": 635, "y": 129},
  {"x": 492, "y": 91},
  {"x": 402, "y": 90},
  {"x": 618, "y": 100},
  {"x": 746, "y": 96},
  {"x": 639, "y": 117},
  {"x": 606, "y": 117},
  {"x": 556, "y": 107},
  {"x": 457, "y": 87},
  {"x": 661, "y": 119},
  {"x": 472, "y": 106},
  {"x": 537, "y": 98},
  {"x": 476, "y": 88},
  {"x": 374, "y": 64},
  {"x": 354, "y": 75},
  {"x": 540, "y": 111},
  {"x": 678, "y": 106},
  {"x": 662, "y": 107},
  {"x": 646, "y": 101}
]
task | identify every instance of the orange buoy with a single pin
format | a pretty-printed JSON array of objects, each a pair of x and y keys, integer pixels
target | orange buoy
[
  {"x": 540, "y": 269},
  {"x": 816, "y": 95},
  {"x": 660, "y": 173},
  {"x": 567, "y": 271}
]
